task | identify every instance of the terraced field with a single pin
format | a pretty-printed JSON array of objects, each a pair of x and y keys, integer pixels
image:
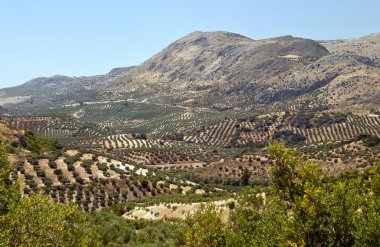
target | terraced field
[
  {"x": 53, "y": 127},
  {"x": 355, "y": 126},
  {"x": 121, "y": 141},
  {"x": 196, "y": 144},
  {"x": 92, "y": 181},
  {"x": 197, "y": 127},
  {"x": 262, "y": 128},
  {"x": 218, "y": 135}
]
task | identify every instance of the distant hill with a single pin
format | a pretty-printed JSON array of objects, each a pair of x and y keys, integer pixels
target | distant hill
[
  {"x": 47, "y": 89},
  {"x": 356, "y": 65}
]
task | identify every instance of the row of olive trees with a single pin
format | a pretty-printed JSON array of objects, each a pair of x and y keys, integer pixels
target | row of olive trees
[
  {"x": 35, "y": 220},
  {"x": 301, "y": 207}
]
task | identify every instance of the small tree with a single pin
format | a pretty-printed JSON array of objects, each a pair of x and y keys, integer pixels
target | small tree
[
  {"x": 245, "y": 177},
  {"x": 205, "y": 227}
]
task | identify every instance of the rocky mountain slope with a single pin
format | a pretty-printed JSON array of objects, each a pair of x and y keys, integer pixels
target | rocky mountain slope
[
  {"x": 338, "y": 80},
  {"x": 220, "y": 63},
  {"x": 368, "y": 46},
  {"x": 356, "y": 64},
  {"x": 213, "y": 68}
]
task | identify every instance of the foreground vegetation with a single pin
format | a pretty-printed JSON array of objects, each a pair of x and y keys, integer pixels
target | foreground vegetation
[{"x": 301, "y": 207}]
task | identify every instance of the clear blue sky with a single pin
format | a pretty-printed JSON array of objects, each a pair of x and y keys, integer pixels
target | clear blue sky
[{"x": 87, "y": 37}]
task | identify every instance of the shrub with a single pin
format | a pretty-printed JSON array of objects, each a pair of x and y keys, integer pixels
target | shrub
[
  {"x": 144, "y": 184},
  {"x": 71, "y": 160},
  {"x": 71, "y": 167},
  {"x": 41, "y": 173},
  {"x": 57, "y": 171},
  {"x": 52, "y": 164},
  {"x": 47, "y": 182},
  {"x": 87, "y": 163},
  {"x": 102, "y": 166}
]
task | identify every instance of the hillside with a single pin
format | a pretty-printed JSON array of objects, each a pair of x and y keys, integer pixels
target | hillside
[
  {"x": 89, "y": 179},
  {"x": 340, "y": 81},
  {"x": 368, "y": 46},
  {"x": 45, "y": 90}
]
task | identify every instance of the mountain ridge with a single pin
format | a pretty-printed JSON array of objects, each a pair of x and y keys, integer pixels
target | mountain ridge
[{"x": 223, "y": 68}]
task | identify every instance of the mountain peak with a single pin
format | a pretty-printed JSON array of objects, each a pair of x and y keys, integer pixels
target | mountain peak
[
  {"x": 121, "y": 70},
  {"x": 207, "y": 38}
]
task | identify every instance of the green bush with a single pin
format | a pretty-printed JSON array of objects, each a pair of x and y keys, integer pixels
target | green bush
[
  {"x": 116, "y": 231},
  {"x": 71, "y": 160},
  {"x": 102, "y": 166}
]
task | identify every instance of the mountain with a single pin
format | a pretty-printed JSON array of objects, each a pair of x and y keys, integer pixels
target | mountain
[
  {"x": 43, "y": 90},
  {"x": 220, "y": 63},
  {"x": 222, "y": 70}
]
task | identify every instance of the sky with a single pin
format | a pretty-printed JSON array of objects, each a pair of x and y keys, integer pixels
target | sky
[{"x": 90, "y": 37}]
